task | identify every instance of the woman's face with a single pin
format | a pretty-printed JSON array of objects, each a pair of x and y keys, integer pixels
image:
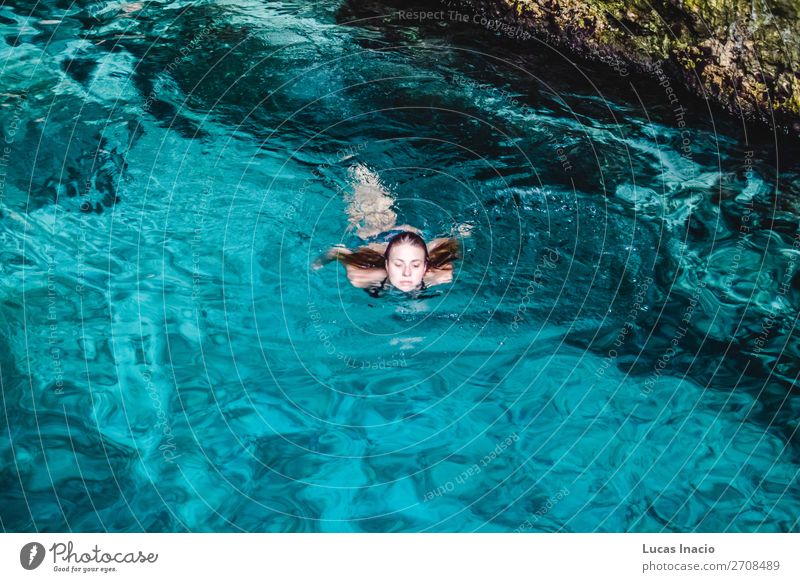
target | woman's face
[{"x": 406, "y": 266}]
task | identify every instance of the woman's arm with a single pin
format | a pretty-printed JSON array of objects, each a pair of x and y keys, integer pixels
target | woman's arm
[
  {"x": 359, "y": 277},
  {"x": 363, "y": 278},
  {"x": 331, "y": 255},
  {"x": 439, "y": 276}
]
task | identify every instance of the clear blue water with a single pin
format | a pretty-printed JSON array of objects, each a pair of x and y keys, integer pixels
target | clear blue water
[{"x": 617, "y": 353}]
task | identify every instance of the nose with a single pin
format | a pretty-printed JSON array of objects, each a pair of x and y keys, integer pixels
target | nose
[{"x": 406, "y": 270}]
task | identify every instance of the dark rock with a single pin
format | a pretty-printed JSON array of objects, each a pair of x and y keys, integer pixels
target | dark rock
[{"x": 739, "y": 54}]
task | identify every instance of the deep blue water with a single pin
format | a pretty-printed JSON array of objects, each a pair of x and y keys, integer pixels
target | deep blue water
[{"x": 618, "y": 352}]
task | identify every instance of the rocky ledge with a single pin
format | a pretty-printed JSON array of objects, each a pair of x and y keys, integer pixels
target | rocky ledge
[{"x": 740, "y": 54}]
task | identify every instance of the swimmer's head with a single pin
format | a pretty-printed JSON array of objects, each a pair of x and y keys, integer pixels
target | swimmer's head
[{"x": 406, "y": 259}]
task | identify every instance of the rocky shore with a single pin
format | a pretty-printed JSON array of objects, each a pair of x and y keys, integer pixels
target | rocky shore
[{"x": 741, "y": 55}]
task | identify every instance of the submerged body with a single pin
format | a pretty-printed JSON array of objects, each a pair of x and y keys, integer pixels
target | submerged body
[{"x": 394, "y": 255}]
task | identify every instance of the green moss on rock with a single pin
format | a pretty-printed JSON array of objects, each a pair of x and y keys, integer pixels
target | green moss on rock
[{"x": 741, "y": 53}]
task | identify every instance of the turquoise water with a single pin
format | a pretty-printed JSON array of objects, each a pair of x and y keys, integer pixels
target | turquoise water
[{"x": 618, "y": 352}]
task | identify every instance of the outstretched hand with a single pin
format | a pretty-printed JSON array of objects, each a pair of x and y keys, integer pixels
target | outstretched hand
[
  {"x": 329, "y": 256},
  {"x": 464, "y": 229}
]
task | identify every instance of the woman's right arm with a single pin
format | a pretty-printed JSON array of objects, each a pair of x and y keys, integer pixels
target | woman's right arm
[
  {"x": 330, "y": 255},
  {"x": 439, "y": 276},
  {"x": 363, "y": 278},
  {"x": 413, "y": 229}
]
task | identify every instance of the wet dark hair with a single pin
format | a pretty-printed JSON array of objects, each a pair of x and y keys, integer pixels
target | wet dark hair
[
  {"x": 409, "y": 238},
  {"x": 367, "y": 258}
]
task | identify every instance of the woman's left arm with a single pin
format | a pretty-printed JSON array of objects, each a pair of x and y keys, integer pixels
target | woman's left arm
[
  {"x": 331, "y": 255},
  {"x": 439, "y": 276}
]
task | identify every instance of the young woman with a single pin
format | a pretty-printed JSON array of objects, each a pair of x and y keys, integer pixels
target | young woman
[
  {"x": 397, "y": 255},
  {"x": 405, "y": 262}
]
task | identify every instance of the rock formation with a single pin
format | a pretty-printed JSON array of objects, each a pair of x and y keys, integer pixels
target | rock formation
[{"x": 740, "y": 54}]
